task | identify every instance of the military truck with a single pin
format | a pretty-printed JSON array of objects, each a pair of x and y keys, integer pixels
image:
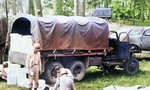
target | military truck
[
  {"x": 72, "y": 42},
  {"x": 3, "y": 33}
]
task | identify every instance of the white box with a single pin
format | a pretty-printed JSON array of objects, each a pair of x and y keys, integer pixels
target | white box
[
  {"x": 13, "y": 71},
  {"x": 14, "y": 66},
  {"x": 23, "y": 83},
  {"x": 11, "y": 79},
  {"x": 21, "y": 73},
  {"x": 42, "y": 84},
  {"x": 7, "y": 70}
]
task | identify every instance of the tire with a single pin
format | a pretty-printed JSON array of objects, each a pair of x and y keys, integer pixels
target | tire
[
  {"x": 78, "y": 70},
  {"x": 135, "y": 48},
  {"x": 131, "y": 66},
  {"x": 49, "y": 71}
]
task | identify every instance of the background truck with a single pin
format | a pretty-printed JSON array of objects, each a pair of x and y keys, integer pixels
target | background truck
[
  {"x": 71, "y": 42},
  {"x": 104, "y": 13}
]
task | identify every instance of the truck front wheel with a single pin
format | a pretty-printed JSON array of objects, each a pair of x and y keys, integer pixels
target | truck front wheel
[
  {"x": 78, "y": 70},
  {"x": 49, "y": 71},
  {"x": 131, "y": 66}
]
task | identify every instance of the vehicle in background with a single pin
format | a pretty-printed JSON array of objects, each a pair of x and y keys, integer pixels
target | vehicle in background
[
  {"x": 3, "y": 34},
  {"x": 138, "y": 37},
  {"x": 104, "y": 13}
]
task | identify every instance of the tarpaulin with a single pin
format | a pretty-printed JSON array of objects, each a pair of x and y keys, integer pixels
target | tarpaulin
[{"x": 63, "y": 33}]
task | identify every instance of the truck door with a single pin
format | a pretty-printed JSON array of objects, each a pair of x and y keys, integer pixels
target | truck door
[{"x": 123, "y": 46}]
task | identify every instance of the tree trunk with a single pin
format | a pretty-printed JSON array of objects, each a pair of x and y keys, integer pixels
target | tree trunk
[
  {"x": 37, "y": 8},
  {"x": 14, "y": 7},
  {"x": 79, "y": 7},
  {"x": 6, "y": 7},
  {"x": 149, "y": 14},
  {"x": 31, "y": 7}
]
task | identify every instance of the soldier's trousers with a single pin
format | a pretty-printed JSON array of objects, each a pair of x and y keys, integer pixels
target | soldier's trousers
[{"x": 34, "y": 77}]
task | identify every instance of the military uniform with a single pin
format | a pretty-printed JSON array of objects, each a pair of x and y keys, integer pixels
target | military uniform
[
  {"x": 3, "y": 74},
  {"x": 33, "y": 63},
  {"x": 64, "y": 82}
]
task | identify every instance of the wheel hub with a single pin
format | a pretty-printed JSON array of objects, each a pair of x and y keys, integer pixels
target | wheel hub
[{"x": 132, "y": 66}]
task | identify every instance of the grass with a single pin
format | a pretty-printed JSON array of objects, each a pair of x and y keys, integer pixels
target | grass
[
  {"x": 4, "y": 86},
  {"x": 96, "y": 79},
  {"x": 138, "y": 23},
  {"x": 130, "y": 22}
]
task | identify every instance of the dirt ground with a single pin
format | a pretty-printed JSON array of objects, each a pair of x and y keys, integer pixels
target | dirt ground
[{"x": 114, "y": 26}]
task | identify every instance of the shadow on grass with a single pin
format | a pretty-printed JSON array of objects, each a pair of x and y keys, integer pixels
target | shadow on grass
[{"x": 2, "y": 80}]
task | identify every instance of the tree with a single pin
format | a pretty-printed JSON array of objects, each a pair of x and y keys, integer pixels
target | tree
[
  {"x": 94, "y": 3},
  {"x": 14, "y": 6},
  {"x": 121, "y": 11},
  {"x": 142, "y": 7},
  {"x": 58, "y": 7},
  {"x": 37, "y": 8},
  {"x": 31, "y": 7},
  {"x": 63, "y": 7},
  {"x": 48, "y": 4},
  {"x": 106, "y": 3},
  {"x": 79, "y": 7}
]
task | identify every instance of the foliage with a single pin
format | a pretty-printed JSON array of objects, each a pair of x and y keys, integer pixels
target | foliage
[
  {"x": 141, "y": 8},
  {"x": 131, "y": 9},
  {"x": 97, "y": 3},
  {"x": 31, "y": 7},
  {"x": 63, "y": 7},
  {"x": 121, "y": 11},
  {"x": 48, "y": 4},
  {"x": 93, "y": 4},
  {"x": 60, "y": 7}
]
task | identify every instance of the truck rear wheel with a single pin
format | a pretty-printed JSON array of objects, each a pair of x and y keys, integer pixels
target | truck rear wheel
[
  {"x": 78, "y": 70},
  {"x": 49, "y": 71},
  {"x": 131, "y": 66}
]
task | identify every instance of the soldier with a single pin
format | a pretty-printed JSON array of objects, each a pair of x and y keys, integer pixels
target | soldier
[
  {"x": 57, "y": 70},
  {"x": 33, "y": 64},
  {"x": 64, "y": 82},
  {"x": 3, "y": 74}
]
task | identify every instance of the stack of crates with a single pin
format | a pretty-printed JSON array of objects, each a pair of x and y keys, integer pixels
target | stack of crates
[
  {"x": 17, "y": 76},
  {"x": 21, "y": 77},
  {"x": 12, "y": 74}
]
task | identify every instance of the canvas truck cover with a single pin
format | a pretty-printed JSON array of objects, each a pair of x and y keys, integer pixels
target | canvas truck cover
[
  {"x": 3, "y": 29},
  {"x": 63, "y": 33}
]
